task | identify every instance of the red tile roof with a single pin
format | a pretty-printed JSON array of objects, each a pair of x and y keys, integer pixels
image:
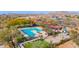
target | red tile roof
[
  {"x": 46, "y": 23},
  {"x": 52, "y": 26}
]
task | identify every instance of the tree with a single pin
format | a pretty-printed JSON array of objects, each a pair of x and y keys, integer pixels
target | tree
[{"x": 8, "y": 36}]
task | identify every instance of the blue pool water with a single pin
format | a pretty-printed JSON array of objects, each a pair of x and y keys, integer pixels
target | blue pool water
[{"x": 29, "y": 32}]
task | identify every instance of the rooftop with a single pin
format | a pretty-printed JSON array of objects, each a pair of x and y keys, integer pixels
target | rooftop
[{"x": 56, "y": 26}]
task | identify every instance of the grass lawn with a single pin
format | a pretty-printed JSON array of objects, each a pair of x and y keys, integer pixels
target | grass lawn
[{"x": 37, "y": 44}]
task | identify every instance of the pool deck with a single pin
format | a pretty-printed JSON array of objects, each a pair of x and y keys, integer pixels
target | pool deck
[{"x": 38, "y": 31}]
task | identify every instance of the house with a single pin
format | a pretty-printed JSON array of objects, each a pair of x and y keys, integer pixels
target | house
[{"x": 56, "y": 28}]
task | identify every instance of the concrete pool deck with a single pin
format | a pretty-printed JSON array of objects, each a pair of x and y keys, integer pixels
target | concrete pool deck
[{"x": 34, "y": 31}]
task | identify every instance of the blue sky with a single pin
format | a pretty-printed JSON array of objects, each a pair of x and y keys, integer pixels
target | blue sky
[
  {"x": 24, "y": 12},
  {"x": 32, "y": 12}
]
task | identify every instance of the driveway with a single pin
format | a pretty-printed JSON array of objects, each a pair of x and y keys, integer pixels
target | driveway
[{"x": 58, "y": 38}]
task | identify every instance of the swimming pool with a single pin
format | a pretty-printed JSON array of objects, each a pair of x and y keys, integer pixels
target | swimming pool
[{"x": 31, "y": 31}]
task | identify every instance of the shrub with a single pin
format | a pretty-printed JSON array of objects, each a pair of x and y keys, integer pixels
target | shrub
[{"x": 19, "y": 39}]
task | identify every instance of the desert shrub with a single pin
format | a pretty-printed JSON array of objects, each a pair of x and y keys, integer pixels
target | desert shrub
[{"x": 19, "y": 39}]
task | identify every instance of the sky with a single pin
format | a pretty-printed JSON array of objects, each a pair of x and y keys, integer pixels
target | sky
[
  {"x": 23, "y": 12},
  {"x": 39, "y": 5}
]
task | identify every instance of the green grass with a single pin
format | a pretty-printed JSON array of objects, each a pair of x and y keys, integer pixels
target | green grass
[{"x": 37, "y": 44}]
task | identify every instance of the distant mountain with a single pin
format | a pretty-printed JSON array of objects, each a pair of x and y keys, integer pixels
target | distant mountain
[
  {"x": 73, "y": 12},
  {"x": 64, "y": 12}
]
